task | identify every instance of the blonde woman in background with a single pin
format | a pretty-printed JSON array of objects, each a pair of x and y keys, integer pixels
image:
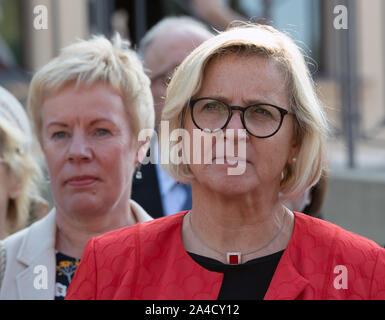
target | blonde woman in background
[
  {"x": 87, "y": 107},
  {"x": 19, "y": 170}
]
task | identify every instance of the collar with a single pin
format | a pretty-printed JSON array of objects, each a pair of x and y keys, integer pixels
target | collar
[
  {"x": 288, "y": 283},
  {"x": 33, "y": 245},
  {"x": 37, "y": 254}
]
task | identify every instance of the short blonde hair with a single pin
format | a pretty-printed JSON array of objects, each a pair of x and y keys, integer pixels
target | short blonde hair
[
  {"x": 24, "y": 167},
  {"x": 92, "y": 61},
  {"x": 310, "y": 124}
]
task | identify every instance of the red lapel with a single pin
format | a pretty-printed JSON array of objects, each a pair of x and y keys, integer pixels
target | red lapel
[
  {"x": 287, "y": 282},
  {"x": 171, "y": 272}
]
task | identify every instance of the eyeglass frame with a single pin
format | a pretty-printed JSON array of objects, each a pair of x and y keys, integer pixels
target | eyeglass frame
[{"x": 283, "y": 112}]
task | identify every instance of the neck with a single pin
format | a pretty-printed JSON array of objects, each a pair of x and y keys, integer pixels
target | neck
[
  {"x": 240, "y": 224},
  {"x": 73, "y": 232}
]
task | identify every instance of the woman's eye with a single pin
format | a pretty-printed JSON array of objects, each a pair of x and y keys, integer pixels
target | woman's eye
[
  {"x": 59, "y": 135},
  {"x": 102, "y": 132},
  {"x": 211, "y": 106},
  {"x": 262, "y": 112},
  {"x": 214, "y": 107}
]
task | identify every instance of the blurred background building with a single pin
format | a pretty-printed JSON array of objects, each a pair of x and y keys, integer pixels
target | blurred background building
[{"x": 347, "y": 65}]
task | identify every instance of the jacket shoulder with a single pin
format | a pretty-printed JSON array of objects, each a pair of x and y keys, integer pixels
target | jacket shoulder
[
  {"x": 142, "y": 231},
  {"x": 326, "y": 233},
  {"x": 325, "y": 252},
  {"x": 29, "y": 239},
  {"x": 112, "y": 262},
  {"x": 12, "y": 246},
  {"x": 14, "y": 241},
  {"x": 24, "y": 249},
  {"x": 142, "y": 237}
]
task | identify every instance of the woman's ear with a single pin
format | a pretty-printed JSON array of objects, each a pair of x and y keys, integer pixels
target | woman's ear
[
  {"x": 293, "y": 156},
  {"x": 294, "y": 150},
  {"x": 142, "y": 150}
]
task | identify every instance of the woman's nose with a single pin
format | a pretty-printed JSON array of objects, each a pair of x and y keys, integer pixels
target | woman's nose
[
  {"x": 79, "y": 148},
  {"x": 235, "y": 120},
  {"x": 236, "y": 125}
]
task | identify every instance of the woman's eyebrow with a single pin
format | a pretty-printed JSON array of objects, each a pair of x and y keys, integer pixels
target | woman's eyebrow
[
  {"x": 101, "y": 120},
  {"x": 56, "y": 123},
  {"x": 247, "y": 102},
  {"x": 61, "y": 124}
]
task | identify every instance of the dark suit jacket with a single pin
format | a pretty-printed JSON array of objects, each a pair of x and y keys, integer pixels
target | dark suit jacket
[{"x": 146, "y": 191}]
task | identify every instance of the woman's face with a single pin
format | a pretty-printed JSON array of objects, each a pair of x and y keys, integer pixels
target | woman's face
[
  {"x": 242, "y": 81},
  {"x": 89, "y": 148}
]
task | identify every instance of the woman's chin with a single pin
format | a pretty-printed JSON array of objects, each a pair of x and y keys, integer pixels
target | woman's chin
[
  {"x": 235, "y": 189},
  {"x": 85, "y": 206},
  {"x": 232, "y": 185}
]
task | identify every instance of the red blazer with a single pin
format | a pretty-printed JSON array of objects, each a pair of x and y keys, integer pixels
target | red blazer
[{"x": 148, "y": 261}]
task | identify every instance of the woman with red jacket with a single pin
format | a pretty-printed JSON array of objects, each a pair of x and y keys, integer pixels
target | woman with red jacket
[{"x": 249, "y": 93}]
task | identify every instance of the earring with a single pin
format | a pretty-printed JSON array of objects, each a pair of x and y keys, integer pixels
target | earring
[
  {"x": 138, "y": 173},
  {"x": 294, "y": 159}
]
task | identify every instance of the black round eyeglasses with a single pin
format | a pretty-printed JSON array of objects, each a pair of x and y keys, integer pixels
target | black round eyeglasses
[{"x": 261, "y": 120}]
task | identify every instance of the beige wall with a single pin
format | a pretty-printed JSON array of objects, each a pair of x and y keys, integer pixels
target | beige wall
[
  {"x": 73, "y": 21},
  {"x": 67, "y": 21},
  {"x": 38, "y": 43},
  {"x": 369, "y": 29},
  {"x": 371, "y": 59}
]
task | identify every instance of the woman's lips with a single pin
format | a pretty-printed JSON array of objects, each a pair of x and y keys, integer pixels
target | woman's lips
[
  {"x": 81, "y": 181},
  {"x": 229, "y": 160}
]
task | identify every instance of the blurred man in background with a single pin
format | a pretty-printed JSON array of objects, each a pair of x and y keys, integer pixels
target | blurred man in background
[{"x": 162, "y": 49}]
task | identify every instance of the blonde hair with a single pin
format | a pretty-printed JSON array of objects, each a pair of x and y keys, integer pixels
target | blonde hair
[
  {"x": 92, "y": 61},
  {"x": 310, "y": 124},
  {"x": 25, "y": 169}
]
